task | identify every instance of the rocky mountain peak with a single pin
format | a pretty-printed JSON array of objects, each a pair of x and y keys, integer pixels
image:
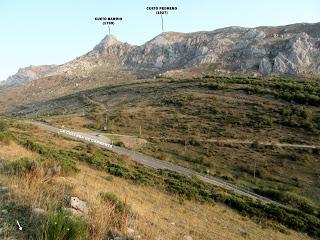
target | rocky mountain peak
[
  {"x": 165, "y": 38},
  {"x": 108, "y": 41}
]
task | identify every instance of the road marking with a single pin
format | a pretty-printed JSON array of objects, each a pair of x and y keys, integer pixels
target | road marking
[{"x": 88, "y": 139}]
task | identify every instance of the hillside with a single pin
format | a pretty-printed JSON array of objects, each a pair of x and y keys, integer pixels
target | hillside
[
  {"x": 200, "y": 124},
  {"x": 39, "y": 170},
  {"x": 172, "y": 113}
]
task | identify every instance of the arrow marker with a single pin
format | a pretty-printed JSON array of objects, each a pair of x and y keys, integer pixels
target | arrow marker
[{"x": 20, "y": 228}]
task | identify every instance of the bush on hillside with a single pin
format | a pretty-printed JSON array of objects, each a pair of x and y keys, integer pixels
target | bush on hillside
[
  {"x": 120, "y": 206},
  {"x": 20, "y": 167},
  {"x": 3, "y": 125},
  {"x": 60, "y": 226}
]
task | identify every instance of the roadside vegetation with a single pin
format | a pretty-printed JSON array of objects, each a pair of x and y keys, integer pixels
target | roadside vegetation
[
  {"x": 56, "y": 224},
  {"x": 32, "y": 184}
]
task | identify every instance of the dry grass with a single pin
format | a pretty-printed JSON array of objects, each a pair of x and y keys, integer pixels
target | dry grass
[
  {"x": 159, "y": 215},
  {"x": 163, "y": 217},
  {"x": 156, "y": 214},
  {"x": 69, "y": 121},
  {"x": 13, "y": 151},
  {"x": 39, "y": 191}
]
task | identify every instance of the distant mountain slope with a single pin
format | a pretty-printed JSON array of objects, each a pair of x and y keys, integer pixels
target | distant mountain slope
[{"x": 291, "y": 49}]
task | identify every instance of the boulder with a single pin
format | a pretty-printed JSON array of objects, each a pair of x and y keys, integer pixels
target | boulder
[{"x": 77, "y": 204}]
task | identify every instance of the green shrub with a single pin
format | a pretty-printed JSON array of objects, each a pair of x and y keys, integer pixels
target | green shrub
[
  {"x": 119, "y": 205},
  {"x": 302, "y": 92},
  {"x": 20, "y": 167},
  {"x": 289, "y": 198},
  {"x": 178, "y": 101},
  {"x": 300, "y": 202},
  {"x": 6, "y": 137},
  {"x": 66, "y": 160},
  {"x": 298, "y": 117},
  {"x": 3, "y": 125},
  {"x": 136, "y": 174},
  {"x": 60, "y": 226},
  {"x": 118, "y": 170},
  {"x": 68, "y": 166},
  {"x": 184, "y": 186},
  {"x": 215, "y": 86},
  {"x": 35, "y": 147}
]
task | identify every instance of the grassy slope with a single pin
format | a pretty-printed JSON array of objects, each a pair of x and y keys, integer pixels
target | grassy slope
[
  {"x": 177, "y": 117},
  {"x": 159, "y": 214}
]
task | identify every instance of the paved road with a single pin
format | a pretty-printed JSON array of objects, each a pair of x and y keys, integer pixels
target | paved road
[{"x": 153, "y": 162}]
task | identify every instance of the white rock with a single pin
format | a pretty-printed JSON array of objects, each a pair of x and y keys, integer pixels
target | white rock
[{"x": 78, "y": 204}]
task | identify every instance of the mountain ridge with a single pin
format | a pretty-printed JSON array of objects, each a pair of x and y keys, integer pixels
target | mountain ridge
[{"x": 288, "y": 49}]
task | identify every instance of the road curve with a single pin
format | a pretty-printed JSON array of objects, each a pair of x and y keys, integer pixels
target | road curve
[{"x": 154, "y": 162}]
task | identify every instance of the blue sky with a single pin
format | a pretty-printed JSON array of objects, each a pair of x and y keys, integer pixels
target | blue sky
[{"x": 55, "y": 31}]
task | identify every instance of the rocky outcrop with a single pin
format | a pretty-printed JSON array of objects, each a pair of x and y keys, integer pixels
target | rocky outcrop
[
  {"x": 292, "y": 49},
  {"x": 265, "y": 66},
  {"x": 109, "y": 53},
  {"x": 29, "y": 73}
]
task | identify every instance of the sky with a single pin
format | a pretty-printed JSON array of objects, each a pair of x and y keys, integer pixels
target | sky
[{"x": 35, "y": 32}]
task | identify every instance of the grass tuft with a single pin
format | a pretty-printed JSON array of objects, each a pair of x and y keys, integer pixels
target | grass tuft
[{"x": 60, "y": 226}]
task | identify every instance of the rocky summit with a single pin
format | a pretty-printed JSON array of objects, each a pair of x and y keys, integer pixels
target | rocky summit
[{"x": 291, "y": 49}]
